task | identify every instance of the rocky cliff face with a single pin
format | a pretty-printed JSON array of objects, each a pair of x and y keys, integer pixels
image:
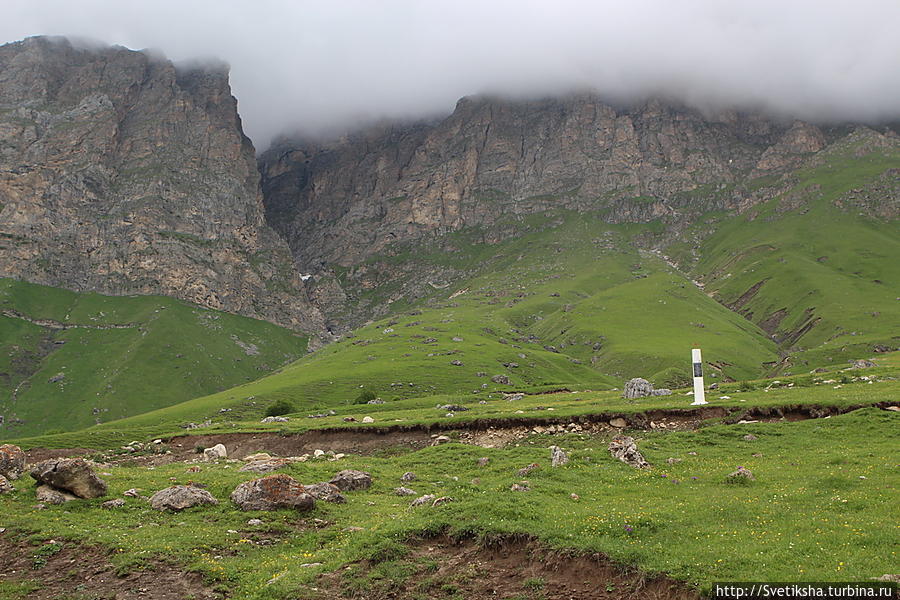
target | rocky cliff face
[
  {"x": 341, "y": 202},
  {"x": 121, "y": 174}
]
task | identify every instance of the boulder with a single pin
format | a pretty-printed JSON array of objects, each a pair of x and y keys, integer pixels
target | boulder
[
  {"x": 12, "y": 461},
  {"x": 70, "y": 474},
  {"x": 349, "y": 480},
  {"x": 325, "y": 491},
  {"x": 272, "y": 492},
  {"x": 625, "y": 449},
  {"x": 5, "y": 486},
  {"x": 215, "y": 453},
  {"x": 558, "y": 457},
  {"x": 863, "y": 364},
  {"x": 180, "y": 497},
  {"x": 49, "y": 495},
  {"x": 637, "y": 388}
]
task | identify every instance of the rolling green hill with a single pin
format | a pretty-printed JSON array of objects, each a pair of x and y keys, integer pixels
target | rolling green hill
[{"x": 72, "y": 360}]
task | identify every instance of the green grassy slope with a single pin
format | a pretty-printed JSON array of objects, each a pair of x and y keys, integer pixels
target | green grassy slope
[
  {"x": 162, "y": 352},
  {"x": 828, "y": 277},
  {"x": 574, "y": 305}
]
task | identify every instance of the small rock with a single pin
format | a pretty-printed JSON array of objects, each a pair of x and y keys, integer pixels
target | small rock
[
  {"x": 673, "y": 461},
  {"x": 257, "y": 456},
  {"x": 574, "y": 496},
  {"x": 274, "y": 420},
  {"x": 404, "y": 491},
  {"x": 441, "y": 439},
  {"x": 12, "y": 461},
  {"x": 272, "y": 492},
  {"x": 618, "y": 422},
  {"x": 483, "y": 461},
  {"x": 501, "y": 379},
  {"x": 661, "y": 392},
  {"x": 408, "y": 476},
  {"x": 132, "y": 493},
  {"x": 422, "y": 500},
  {"x": 750, "y": 437},
  {"x": 216, "y": 452},
  {"x": 349, "y": 420},
  {"x": 520, "y": 487},
  {"x": 558, "y": 457},
  {"x": 49, "y": 495},
  {"x": 442, "y": 500},
  {"x": 180, "y": 497},
  {"x": 350, "y": 479},
  {"x": 327, "y": 492},
  {"x": 5, "y": 486},
  {"x": 740, "y": 475},
  {"x": 114, "y": 503},
  {"x": 318, "y": 453},
  {"x": 528, "y": 469},
  {"x": 456, "y": 363},
  {"x": 625, "y": 449},
  {"x": 863, "y": 364},
  {"x": 368, "y": 420}
]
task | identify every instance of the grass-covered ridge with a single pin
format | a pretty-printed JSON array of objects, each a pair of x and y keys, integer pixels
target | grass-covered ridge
[{"x": 71, "y": 360}]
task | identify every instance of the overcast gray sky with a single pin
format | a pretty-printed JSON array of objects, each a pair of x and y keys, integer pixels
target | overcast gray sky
[{"x": 325, "y": 65}]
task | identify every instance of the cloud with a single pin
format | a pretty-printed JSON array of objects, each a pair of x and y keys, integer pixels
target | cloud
[{"x": 317, "y": 67}]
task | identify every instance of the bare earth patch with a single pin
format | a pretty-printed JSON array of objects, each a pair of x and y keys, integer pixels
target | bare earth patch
[{"x": 67, "y": 570}]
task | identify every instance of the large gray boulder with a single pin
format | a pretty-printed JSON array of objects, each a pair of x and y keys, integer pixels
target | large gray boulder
[
  {"x": 73, "y": 475},
  {"x": 637, "y": 388},
  {"x": 12, "y": 461},
  {"x": 272, "y": 492},
  {"x": 180, "y": 497},
  {"x": 350, "y": 479},
  {"x": 625, "y": 449}
]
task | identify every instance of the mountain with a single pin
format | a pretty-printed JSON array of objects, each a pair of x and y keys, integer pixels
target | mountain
[{"x": 123, "y": 174}]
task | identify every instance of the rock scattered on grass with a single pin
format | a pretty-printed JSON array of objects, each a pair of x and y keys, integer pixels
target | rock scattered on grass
[
  {"x": 483, "y": 461},
  {"x": 422, "y": 500},
  {"x": 179, "y": 497},
  {"x": 350, "y": 479},
  {"x": 750, "y": 438},
  {"x": 501, "y": 379},
  {"x": 274, "y": 420},
  {"x": 528, "y": 469},
  {"x": 12, "y": 461},
  {"x": 328, "y": 492},
  {"x": 272, "y": 492},
  {"x": 255, "y": 522},
  {"x": 442, "y": 500},
  {"x": 558, "y": 457},
  {"x": 408, "y": 476},
  {"x": 73, "y": 475},
  {"x": 114, "y": 503},
  {"x": 5, "y": 486},
  {"x": 618, "y": 423},
  {"x": 404, "y": 491},
  {"x": 441, "y": 439},
  {"x": 741, "y": 475},
  {"x": 522, "y": 486},
  {"x": 673, "y": 461},
  {"x": 863, "y": 364},
  {"x": 215, "y": 453},
  {"x": 368, "y": 420},
  {"x": 132, "y": 493},
  {"x": 625, "y": 449}
]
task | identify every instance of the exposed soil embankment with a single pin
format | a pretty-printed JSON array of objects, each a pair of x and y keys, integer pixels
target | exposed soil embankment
[
  {"x": 512, "y": 567},
  {"x": 495, "y": 432},
  {"x": 69, "y": 570}
]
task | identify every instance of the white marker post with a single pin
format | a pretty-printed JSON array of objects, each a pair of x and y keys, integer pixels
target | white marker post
[{"x": 699, "y": 393}]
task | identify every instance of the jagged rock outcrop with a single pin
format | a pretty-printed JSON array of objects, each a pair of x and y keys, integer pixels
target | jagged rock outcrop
[
  {"x": 123, "y": 174},
  {"x": 340, "y": 202}
]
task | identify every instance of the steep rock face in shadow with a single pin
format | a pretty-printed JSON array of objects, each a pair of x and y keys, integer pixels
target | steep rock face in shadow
[
  {"x": 493, "y": 160},
  {"x": 122, "y": 174}
]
